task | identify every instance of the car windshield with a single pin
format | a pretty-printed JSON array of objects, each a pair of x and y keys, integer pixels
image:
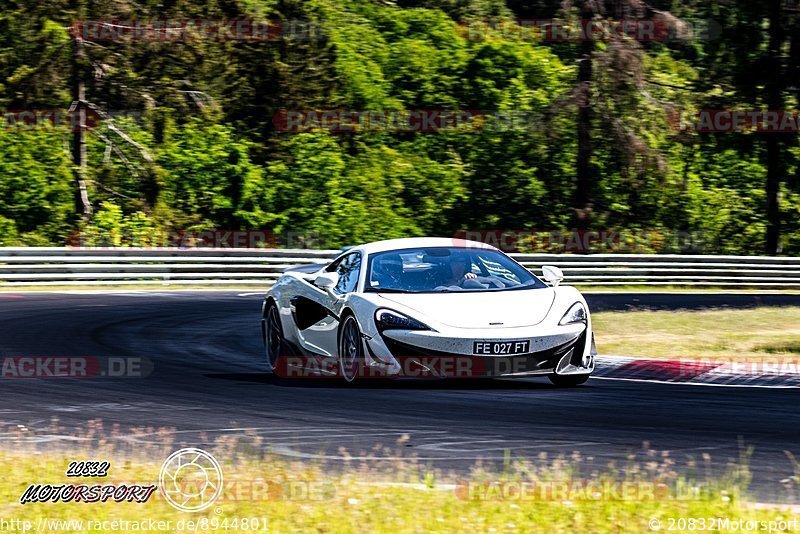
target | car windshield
[{"x": 446, "y": 269}]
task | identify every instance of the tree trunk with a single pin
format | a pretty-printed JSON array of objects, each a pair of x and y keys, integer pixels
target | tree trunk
[
  {"x": 583, "y": 185},
  {"x": 775, "y": 151},
  {"x": 82, "y": 205}
]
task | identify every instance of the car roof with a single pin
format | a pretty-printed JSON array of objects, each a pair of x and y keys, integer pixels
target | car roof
[{"x": 421, "y": 242}]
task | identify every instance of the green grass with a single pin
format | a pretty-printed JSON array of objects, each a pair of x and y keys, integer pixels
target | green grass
[
  {"x": 356, "y": 500},
  {"x": 388, "y": 496},
  {"x": 766, "y": 332}
]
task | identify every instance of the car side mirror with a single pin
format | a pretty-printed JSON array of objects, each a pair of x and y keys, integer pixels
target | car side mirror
[
  {"x": 552, "y": 274},
  {"x": 327, "y": 281}
]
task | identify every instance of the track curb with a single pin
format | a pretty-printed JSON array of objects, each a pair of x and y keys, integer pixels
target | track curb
[{"x": 773, "y": 372}]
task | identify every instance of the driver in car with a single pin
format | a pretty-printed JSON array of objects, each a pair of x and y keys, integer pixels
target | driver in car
[{"x": 460, "y": 271}]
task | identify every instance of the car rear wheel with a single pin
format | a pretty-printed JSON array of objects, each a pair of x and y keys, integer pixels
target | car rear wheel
[
  {"x": 273, "y": 335},
  {"x": 568, "y": 381},
  {"x": 351, "y": 349}
]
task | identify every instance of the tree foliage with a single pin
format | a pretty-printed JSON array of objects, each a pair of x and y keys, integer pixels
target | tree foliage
[{"x": 192, "y": 142}]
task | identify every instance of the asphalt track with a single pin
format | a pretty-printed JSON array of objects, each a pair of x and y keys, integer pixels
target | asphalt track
[{"x": 208, "y": 381}]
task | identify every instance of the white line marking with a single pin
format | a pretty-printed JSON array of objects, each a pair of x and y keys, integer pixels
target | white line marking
[
  {"x": 442, "y": 447},
  {"x": 692, "y": 383},
  {"x": 286, "y": 451}
]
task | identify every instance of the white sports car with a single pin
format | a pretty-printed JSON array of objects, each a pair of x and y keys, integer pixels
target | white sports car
[{"x": 427, "y": 307}]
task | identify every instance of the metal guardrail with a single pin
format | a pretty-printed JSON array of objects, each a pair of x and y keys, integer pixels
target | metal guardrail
[
  {"x": 54, "y": 266},
  {"x": 762, "y": 272}
]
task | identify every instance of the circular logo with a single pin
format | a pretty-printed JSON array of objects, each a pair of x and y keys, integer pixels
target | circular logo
[{"x": 190, "y": 479}]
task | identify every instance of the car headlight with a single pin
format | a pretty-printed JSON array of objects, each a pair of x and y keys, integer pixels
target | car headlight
[
  {"x": 576, "y": 314},
  {"x": 392, "y": 320}
]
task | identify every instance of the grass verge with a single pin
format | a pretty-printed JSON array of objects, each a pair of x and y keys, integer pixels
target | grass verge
[
  {"x": 276, "y": 495},
  {"x": 767, "y": 332}
]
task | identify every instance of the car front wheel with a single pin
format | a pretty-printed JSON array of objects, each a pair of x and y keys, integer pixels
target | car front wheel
[
  {"x": 351, "y": 349},
  {"x": 273, "y": 335}
]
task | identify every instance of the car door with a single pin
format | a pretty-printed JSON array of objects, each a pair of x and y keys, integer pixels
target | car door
[{"x": 316, "y": 313}]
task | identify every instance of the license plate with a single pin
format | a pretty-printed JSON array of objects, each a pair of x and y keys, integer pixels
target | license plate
[{"x": 493, "y": 348}]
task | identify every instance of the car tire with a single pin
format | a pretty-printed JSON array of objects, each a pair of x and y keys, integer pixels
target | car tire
[
  {"x": 568, "y": 381},
  {"x": 274, "y": 341},
  {"x": 351, "y": 349}
]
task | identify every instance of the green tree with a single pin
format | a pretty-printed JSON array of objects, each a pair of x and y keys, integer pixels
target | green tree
[
  {"x": 206, "y": 168},
  {"x": 35, "y": 186}
]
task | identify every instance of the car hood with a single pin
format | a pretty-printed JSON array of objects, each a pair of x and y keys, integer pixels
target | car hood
[{"x": 486, "y": 309}]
